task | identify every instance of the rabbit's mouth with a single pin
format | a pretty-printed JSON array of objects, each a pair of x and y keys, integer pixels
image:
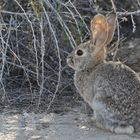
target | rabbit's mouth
[{"x": 70, "y": 62}]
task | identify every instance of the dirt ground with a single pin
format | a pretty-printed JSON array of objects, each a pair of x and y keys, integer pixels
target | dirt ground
[{"x": 72, "y": 125}]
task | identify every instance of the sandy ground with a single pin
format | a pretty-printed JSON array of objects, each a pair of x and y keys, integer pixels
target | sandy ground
[{"x": 69, "y": 126}]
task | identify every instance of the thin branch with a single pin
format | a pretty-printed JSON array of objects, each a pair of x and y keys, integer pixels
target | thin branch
[
  {"x": 15, "y": 13},
  {"x": 127, "y": 13},
  {"x": 58, "y": 52},
  {"x": 118, "y": 29},
  {"x": 133, "y": 23}
]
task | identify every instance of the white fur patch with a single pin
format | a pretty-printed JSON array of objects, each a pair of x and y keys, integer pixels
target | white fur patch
[{"x": 124, "y": 130}]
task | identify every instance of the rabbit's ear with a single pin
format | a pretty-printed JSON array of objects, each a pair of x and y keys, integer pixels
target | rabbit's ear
[
  {"x": 111, "y": 20},
  {"x": 102, "y": 29},
  {"x": 98, "y": 30}
]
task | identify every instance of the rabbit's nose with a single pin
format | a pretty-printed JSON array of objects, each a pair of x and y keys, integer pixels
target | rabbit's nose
[{"x": 69, "y": 59}]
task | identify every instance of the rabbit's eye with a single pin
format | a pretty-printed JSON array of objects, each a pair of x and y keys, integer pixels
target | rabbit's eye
[{"x": 79, "y": 52}]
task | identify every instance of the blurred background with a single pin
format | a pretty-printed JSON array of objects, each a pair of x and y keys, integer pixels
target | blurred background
[{"x": 35, "y": 39}]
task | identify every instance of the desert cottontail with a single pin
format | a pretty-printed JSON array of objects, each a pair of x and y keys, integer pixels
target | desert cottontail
[{"x": 112, "y": 89}]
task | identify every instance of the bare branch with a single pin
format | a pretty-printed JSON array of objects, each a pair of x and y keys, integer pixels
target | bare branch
[{"x": 127, "y": 13}]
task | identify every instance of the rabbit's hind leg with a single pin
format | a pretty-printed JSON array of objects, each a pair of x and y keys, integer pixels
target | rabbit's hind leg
[
  {"x": 107, "y": 120},
  {"x": 111, "y": 125}
]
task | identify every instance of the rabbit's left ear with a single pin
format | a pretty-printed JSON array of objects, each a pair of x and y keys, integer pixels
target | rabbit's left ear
[
  {"x": 102, "y": 29},
  {"x": 111, "y": 20}
]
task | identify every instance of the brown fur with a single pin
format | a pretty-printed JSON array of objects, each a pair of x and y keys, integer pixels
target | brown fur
[{"x": 112, "y": 89}]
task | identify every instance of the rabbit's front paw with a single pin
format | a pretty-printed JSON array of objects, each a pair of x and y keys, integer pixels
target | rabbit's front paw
[{"x": 124, "y": 130}]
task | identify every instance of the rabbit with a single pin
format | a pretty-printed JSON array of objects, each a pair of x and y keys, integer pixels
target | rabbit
[{"x": 111, "y": 89}]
